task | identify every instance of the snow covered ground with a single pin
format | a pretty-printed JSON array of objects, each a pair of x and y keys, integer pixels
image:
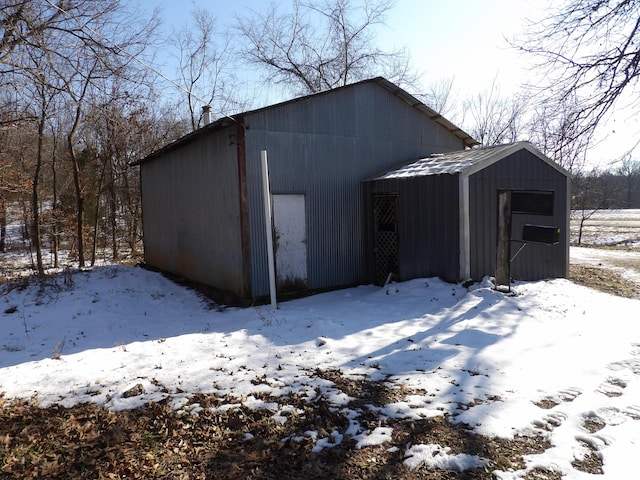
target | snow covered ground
[{"x": 557, "y": 359}]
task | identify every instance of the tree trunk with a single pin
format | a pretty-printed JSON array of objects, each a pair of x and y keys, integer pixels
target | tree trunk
[
  {"x": 110, "y": 175},
  {"x": 36, "y": 238},
  {"x": 77, "y": 184},
  {"x": 77, "y": 180},
  {"x": 94, "y": 244},
  {"x": 55, "y": 227},
  {"x": 582, "y": 220},
  {"x": 3, "y": 224},
  {"x": 113, "y": 219},
  {"x": 132, "y": 215},
  {"x": 26, "y": 222}
]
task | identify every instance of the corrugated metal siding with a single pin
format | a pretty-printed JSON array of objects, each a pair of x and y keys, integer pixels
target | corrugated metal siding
[
  {"x": 428, "y": 225},
  {"x": 324, "y": 147},
  {"x": 192, "y": 214},
  {"x": 520, "y": 171}
]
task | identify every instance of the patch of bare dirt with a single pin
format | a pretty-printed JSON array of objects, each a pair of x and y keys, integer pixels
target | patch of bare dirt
[
  {"x": 605, "y": 280},
  {"x": 589, "y": 463},
  {"x": 158, "y": 442},
  {"x": 543, "y": 474},
  {"x": 547, "y": 403},
  {"x": 593, "y": 424}
]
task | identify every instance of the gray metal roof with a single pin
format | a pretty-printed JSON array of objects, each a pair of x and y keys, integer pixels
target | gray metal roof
[
  {"x": 406, "y": 97},
  {"x": 466, "y": 162}
]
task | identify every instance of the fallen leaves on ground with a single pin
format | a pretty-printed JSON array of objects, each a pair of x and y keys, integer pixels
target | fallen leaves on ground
[{"x": 201, "y": 440}]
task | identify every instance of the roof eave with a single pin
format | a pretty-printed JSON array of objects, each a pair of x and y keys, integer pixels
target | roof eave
[
  {"x": 405, "y": 96},
  {"x": 213, "y": 126}
]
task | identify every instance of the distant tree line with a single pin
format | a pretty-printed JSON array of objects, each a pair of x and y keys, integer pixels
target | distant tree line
[{"x": 615, "y": 188}]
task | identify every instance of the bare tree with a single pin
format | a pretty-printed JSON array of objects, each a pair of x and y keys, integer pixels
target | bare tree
[
  {"x": 205, "y": 66},
  {"x": 441, "y": 97},
  {"x": 40, "y": 86},
  {"x": 16, "y": 149},
  {"x": 322, "y": 44},
  {"x": 20, "y": 21},
  {"x": 44, "y": 100},
  {"x": 492, "y": 118},
  {"x": 55, "y": 216},
  {"x": 115, "y": 133},
  {"x": 75, "y": 50},
  {"x": 590, "y": 49},
  {"x": 553, "y": 128},
  {"x": 592, "y": 191}
]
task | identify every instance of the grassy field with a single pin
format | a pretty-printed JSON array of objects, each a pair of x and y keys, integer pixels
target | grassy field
[
  {"x": 611, "y": 260},
  {"x": 614, "y": 228}
]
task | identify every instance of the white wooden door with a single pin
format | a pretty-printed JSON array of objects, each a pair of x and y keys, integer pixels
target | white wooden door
[{"x": 289, "y": 220}]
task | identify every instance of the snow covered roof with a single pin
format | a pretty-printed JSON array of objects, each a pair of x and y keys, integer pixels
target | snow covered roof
[{"x": 463, "y": 161}]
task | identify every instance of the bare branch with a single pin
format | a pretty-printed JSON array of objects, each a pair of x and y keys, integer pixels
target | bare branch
[
  {"x": 321, "y": 44},
  {"x": 494, "y": 119},
  {"x": 590, "y": 49}
]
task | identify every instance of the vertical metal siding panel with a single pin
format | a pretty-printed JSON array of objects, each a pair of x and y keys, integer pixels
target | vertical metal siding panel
[
  {"x": 367, "y": 212},
  {"x": 192, "y": 214},
  {"x": 414, "y": 203},
  {"x": 439, "y": 216},
  {"x": 323, "y": 147},
  {"x": 408, "y": 235},
  {"x": 427, "y": 223},
  {"x": 452, "y": 223},
  {"x": 482, "y": 210},
  {"x": 491, "y": 209},
  {"x": 474, "y": 229},
  {"x": 520, "y": 171},
  {"x": 254, "y": 142}
]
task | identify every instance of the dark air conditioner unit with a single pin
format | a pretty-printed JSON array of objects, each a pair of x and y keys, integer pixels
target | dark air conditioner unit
[{"x": 541, "y": 234}]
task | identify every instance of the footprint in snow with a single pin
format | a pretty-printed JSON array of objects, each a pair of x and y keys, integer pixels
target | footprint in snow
[
  {"x": 612, "y": 387},
  {"x": 632, "y": 364},
  {"x": 593, "y": 423},
  {"x": 587, "y": 457},
  {"x": 611, "y": 416},
  {"x": 632, "y": 412},
  {"x": 570, "y": 394},
  {"x": 566, "y": 395},
  {"x": 551, "y": 421}
]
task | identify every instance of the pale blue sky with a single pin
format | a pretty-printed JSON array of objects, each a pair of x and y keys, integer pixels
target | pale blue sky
[{"x": 463, "y": 39}]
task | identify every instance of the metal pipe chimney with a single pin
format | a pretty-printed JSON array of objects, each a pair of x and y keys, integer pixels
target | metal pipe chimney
[{"x": 206, "y": 114}]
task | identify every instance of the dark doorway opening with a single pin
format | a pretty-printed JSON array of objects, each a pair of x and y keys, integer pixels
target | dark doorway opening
[{"x": 385, "y": 220}]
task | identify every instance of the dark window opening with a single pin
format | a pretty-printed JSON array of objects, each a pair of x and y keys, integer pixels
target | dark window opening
[{"x": 532, "y": 202}]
